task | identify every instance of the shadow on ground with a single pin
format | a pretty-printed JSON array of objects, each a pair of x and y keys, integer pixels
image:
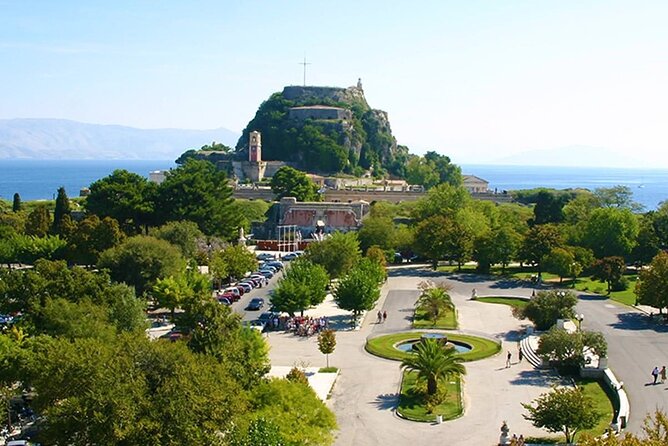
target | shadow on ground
[
  {"x": 639, "y": 321},
  {"x": 539, "y": 378},
  {"x": 387, "y": 401}
]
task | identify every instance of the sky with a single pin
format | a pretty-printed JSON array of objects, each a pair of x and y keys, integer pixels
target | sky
[{"x": 479, "y": 81}]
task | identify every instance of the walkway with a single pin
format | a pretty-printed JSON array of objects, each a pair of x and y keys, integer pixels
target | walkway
[{"x": 366, "y": 391}]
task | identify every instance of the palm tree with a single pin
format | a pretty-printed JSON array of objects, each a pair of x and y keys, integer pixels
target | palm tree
[
  {"x": 433, "y": 362},
  {"x": 435, "y": 301}
]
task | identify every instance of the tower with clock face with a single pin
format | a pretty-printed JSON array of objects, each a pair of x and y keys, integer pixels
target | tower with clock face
[{"x": 255, "y": 147}]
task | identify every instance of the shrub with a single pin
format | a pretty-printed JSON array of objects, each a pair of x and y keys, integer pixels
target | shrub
[{"x": 297, "y": 375}]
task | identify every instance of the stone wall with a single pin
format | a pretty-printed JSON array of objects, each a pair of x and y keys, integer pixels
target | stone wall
[{"x": 320, "y": 112}]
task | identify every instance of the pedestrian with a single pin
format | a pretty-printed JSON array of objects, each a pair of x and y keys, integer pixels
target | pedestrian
[
  {"x": 655, "y": 374},
  {"x": 663, "y": 374},
  {"x": 520, "y": 354},
  {"x": 520, "y": 441},
  {"x": 384, "y": 316},
  {"x": 508, "y": 358},
  {"x": 380, "y": 317}
]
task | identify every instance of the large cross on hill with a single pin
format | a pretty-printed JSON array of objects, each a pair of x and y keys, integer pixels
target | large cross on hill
[{"x": 304, "y": 64}]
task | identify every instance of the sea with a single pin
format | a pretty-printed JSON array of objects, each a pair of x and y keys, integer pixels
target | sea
[{"x": 40, "y": 179}]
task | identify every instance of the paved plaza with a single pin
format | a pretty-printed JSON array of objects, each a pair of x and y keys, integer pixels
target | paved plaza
[{"x": 366, "y": 392}]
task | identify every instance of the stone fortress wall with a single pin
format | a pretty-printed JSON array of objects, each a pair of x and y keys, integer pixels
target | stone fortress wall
[{"x": 320, "y": 112}]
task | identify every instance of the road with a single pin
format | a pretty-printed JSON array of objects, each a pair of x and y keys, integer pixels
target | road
[
  {"x": 264, "y": 292},
  {"x": 635, "y": 347}
]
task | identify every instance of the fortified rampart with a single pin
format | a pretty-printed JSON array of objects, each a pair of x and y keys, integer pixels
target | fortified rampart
[{"x": 319, "y": 112}]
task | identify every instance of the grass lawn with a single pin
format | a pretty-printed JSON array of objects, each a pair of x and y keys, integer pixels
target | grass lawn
[
  {"x": 447, "y": 320},
  {"x": 627, "y": 297},
  {"x": 602, "y": 403},
  {"x": 511, "y": 301},
  {"x": 411, "y": 404},
  {"x": 383, "y": 346}
]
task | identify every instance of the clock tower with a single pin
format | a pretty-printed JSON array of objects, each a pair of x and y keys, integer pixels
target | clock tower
[{"x": 255, "y": 147}]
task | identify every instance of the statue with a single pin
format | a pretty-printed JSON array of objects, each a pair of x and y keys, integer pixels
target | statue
[
  {"x": 503, "y": 440},
  {"x": 242, "y": 239},
  {"x": 359, "y": 83}
]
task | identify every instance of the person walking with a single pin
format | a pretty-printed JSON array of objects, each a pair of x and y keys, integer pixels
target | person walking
[
  {"x": 508, "y": 358},
  {"x": 520, "y": 355},
  {"x": 663, "y": 374},
  {"x": 655, "y": 374},
  {"x": 380, "y": 317},
  {"x": 384, "y": 316}
]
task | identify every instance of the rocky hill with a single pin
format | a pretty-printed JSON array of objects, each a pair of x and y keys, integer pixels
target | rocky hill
[
  {"x": 64, "y": 139},
  {"x": 325, "y": 129}
]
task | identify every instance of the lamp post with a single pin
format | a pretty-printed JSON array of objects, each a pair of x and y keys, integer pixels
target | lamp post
[{"x": 580, "y": 317}]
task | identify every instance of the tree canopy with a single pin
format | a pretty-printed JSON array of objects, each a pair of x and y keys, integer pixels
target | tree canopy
[{"x": 290, "y": 182}]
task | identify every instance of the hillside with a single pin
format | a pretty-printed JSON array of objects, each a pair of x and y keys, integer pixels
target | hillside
[
  {"x": 325, "y": 129},
  {"x": 64, "y": 139}
]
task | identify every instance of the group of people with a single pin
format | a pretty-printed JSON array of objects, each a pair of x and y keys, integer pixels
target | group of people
[
  {"x": 382, "y": 317},
  {"x": 306, "y": 325},
  {"x": 520, "y": 355},
  {"x": 656, "y": 373}
]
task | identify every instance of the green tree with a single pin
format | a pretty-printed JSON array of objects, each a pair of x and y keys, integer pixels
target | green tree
[
  {"x": 16, "y": 203},
  {"x": 547, "y": 306},
  {"x": 647, "y": 243},
  {"x": 141, "y": 260},
  {"x": 260, "y": 432},
  {"x": 434, "y": 362},
  {"x": 182, "y": 234},
  {"x": 62, "y": 209},
  {"x": 652, "y": 284},
  {"x": 619, "y": 197},
  {"x": 377, "y": 231},
  {"x": 538, "y": 243},
  {"x": 290, "y": 182},
  {"x": 337, "y": 253},
  {"x": 171, "y": 292},
  {"x": 498, "y": 246},
  {"x": 434, "y": 300},
  {"x": 327, "y": 343},
  {"x": 611, "y": 232},
  {"x": 565, "y": 410},
  {"x": 38, "y": 222},
  {"x": 303, "y": 285},
  {"x": 610, "y": 270},
  {"x": 357, "y": 292},
  {"x": 548, "y": 208},
  {"x": 232, "y": 262},
  {"x": 276, "y": 401},
  {"x": 431, "y": 237},
  {"x": 124, "y": 196},
  {"x": 567, "y": 349},
  {"x": 560, "y": 261},
  {"x": 444, "y": 199},
  {"x": 90, "y": 237},
  {"x": 198, "y": 192}
]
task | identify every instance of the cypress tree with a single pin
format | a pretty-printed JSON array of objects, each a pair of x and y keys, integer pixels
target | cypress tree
[
  {"x": 16, "y": 205},
  {"x": 62, "y": 209}
]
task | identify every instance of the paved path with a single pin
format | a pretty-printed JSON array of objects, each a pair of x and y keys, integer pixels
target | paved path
[{"x": 367, "y": 390}]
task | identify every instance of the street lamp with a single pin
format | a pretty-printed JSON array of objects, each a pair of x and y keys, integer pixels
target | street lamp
[{"x": 580, "y": 317}]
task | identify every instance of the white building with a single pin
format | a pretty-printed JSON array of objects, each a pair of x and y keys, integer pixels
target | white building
[{"x": 475, "y": 185}]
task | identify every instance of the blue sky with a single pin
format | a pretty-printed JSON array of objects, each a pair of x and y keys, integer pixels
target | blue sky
[{"x": 476, "y": 80}]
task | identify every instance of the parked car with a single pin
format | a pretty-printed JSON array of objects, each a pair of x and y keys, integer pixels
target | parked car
[
  {"x": 265, "y": 256},
  {"x": 234, "y": 290},
  {"x": 224, "y": 301},
  {"x": 255, "y": 304},
  {"x": 266, "y": 273},
  {"x": 290, "y": 256},
  {"x": 267, "y": 316},
  {"x": 261, "y": 278},
  {"x": 275, "y": 263},
  {"x": 230, "y": 296},
  {"x": 245, "y": 286},
  {"x": 255, "y": 325},
  {"x": 273, "y": 269}
]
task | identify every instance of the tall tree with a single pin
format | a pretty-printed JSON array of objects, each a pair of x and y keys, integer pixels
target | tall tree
[
  {"x": 127, "y": 197},
  {"x": 619, "y": 197},
  {"x": 434, "y": 362},
  {"x": 611, "y": 232},
  {"x": 565, "y": 410},
  {"x": 182, "y": 234},
  {"x": 62, "y": 209},
  {"x": 290, "y": 182},
  {"x": 538, "y": 243},
  {"x": 610, "y": 270},
  {"x": 141, "y": 260},
  {"x": 652, "y": 285},
  {"x": 198, "y": 192},
  {"x": 16, "y": 203},
  {"x": 547, "y": 306},
  {"x": 337, "y": 253},
  {"x": 377, "y": 231},
  {"x": 357, "y": 292},
  {"x": 561, "y": 262},
  {"x": 303, "y": 285},
  {"x": 444, "y": 199},
  {"x": 233, "y": 262},
  {"x": 38, "y": 222}
]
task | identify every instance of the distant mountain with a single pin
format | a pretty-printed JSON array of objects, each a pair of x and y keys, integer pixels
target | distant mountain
[
  {"x": 64, "y": 139},
  {"x": 570, "y": 156}
]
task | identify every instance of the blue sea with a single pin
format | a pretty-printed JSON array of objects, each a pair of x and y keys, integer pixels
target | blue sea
[{"x": 40, "y": 179}]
